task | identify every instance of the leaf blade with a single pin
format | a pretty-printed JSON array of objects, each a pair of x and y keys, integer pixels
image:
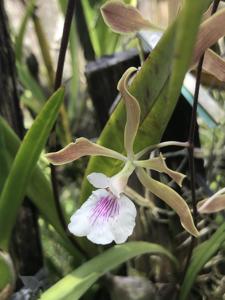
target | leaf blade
[
  {"x": 74, "y": 285},
  {"x": 201, "y": 255},
  {"x": 24, "y": 163}
]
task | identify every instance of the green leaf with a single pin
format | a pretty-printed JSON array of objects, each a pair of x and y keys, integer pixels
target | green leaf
[
  {"x": 31, "y": 84},
  {"x": 90, "y": 15},
  {"x": 74, "y": 285},
  {"x": 150, "y": 87},
  {"x": 24, "y": 164},
  {"x": 184, "y": 44},
  {"x": 39, "y": 189},
  {"x": 7, "y": 274},
  {"x": 201, "y": 256},
  {"x": 22, "y": 30},
  {"x": 5, "y": 160}
]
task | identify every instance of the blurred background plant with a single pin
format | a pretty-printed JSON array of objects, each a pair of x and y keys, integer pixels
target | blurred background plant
[{"x": 95, "y": 60}]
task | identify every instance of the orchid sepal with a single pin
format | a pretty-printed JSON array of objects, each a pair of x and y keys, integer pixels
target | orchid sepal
[
  {"x": 213, "y": 204},
  {"x": 124, "y": 18},
  {"x": 171, "y": 198},
  {"x": 158, "y": 164},
  {"x": 133, "y": 112},
  {"x": 81, "y": 147}
]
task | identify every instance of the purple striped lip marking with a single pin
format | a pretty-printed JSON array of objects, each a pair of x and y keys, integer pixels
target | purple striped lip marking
[{"x": 107, "y": 207}]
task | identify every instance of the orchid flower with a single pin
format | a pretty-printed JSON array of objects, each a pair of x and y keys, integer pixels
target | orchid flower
[{"x": 108, "y": 215}]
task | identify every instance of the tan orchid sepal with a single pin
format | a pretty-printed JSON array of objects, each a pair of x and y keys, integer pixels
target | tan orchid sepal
[
  {"x": 211, "y": 30},
  {"x": 209, "y": 33},
  {"x": 158, "y": 164},
  {"x": 213, "y": 204},
  {"x": 133, "y": 112},
  {"x": 81, "y": 147},
  {"x": 124, "y": 18},
  {"x": 171, "y": 198}
]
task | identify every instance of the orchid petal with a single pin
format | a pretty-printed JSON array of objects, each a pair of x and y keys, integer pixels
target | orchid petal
[
  {"x": 210, "y": 31},
  {"x": 213, "y": 204},
  {"x": 119, "y": 181},
  {"x": 214, "y": 64},
  {"x": 81, "y": 147},
  {"x": 123, "y": 18},
  {"x": 158, "y": 164},
  {"x": 171, "y": 198},
  {"x": 99, "y": 180},
  {"x": 132, "y": 109},
  {"x": 103, "y": 218}
]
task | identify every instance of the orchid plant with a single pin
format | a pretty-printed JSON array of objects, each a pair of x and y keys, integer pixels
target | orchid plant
[{"x": 108, "y": 214}]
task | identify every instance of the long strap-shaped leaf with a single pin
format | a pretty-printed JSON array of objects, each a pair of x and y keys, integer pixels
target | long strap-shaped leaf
[
  {"x": 24, "y": 164},
  {"x": 201, "y": 256},
  {"x": 39, "y": 188},
  {"x": 74, "y": 285}
]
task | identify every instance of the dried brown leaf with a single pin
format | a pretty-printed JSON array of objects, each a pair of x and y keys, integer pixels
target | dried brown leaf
[{"x": 214, "y": 65}]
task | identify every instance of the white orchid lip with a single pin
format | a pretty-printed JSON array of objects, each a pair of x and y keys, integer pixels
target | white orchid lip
[
  {"x": 104, "y": 218},
  {"x": 107, "y": 207}
]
